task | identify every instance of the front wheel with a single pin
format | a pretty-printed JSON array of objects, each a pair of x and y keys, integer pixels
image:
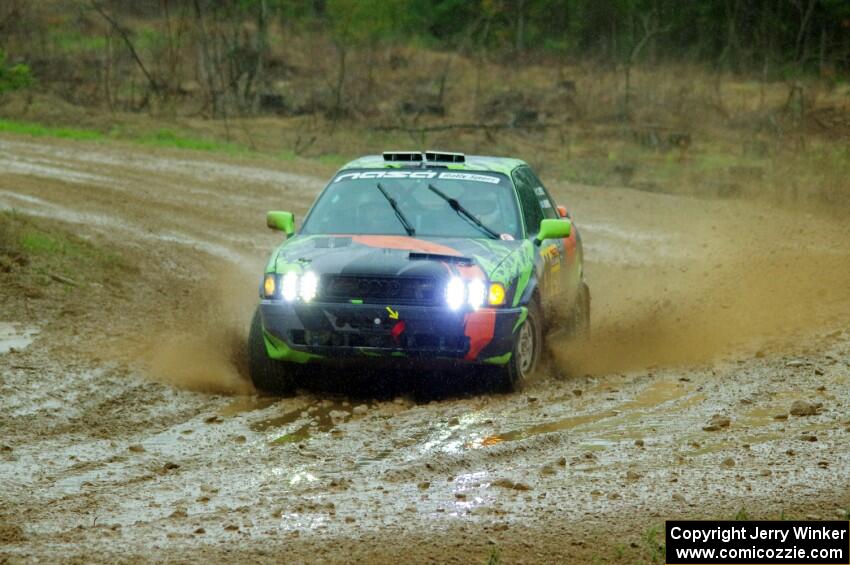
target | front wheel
[
  {"x": 528, "y": 345},
  {"x": 267, "y": 374}
]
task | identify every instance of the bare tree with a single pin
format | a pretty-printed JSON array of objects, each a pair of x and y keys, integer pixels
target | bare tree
[
  {"x": 154, "y": 84},
  {"x": 805, "y": 11},
  {"x": 651, "y": 28}
]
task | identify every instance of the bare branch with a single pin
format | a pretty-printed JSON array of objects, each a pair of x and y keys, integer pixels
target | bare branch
[{"x": 155, "y": 86}]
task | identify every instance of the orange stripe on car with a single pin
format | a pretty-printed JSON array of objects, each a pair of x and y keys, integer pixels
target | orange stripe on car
[
  {"x": 479, "y": 326},
  {"x": 407, "y": 243}
]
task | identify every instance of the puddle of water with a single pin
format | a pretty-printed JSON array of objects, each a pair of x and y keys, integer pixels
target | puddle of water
[
  {"x": 278, "y": 421},
  {"x": 15, "y": 336},
  {"x": 754, "y": 439},
  {"x": 242, "y": 404},
  {"x": 560, "y": 425},
  {"x": 317, "y": 418},
  {"x": 654, "y": 395},
  {"x": 780, "y": 403},
  {"x": 657, "y": 393}
]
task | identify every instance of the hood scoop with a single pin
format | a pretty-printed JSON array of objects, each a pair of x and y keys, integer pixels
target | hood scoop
[{"x": 460, "y": 260}]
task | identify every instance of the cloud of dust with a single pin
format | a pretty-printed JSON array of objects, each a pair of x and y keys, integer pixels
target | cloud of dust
[
  {"x": 754, "y": 287},
  {"x": 203, "y": 346}
]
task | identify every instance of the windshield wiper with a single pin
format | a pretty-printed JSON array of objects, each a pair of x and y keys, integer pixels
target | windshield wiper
[
  {"x": 398, "y": 214},
  {"x": 463, "y": 212}
]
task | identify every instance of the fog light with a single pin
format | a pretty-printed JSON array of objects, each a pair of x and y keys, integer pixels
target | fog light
[
  {"x": 309, "y": 286},
  {"x": 497, "y": 295},
  {"x": 269, "y": 286},
  {"x": 455, "y": 293},
  {"x": 477, "y": 292},
  {"x": 289, "y": 286}
]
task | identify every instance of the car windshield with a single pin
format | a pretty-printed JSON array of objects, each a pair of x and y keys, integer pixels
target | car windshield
[{"x": 353, "y": 203}]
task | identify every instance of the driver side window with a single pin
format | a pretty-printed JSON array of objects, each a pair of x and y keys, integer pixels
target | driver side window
[{"x": 532, "y": 214}]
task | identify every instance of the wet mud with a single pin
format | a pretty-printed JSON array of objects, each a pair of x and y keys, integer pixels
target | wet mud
[{"x": 719, "y": 350}]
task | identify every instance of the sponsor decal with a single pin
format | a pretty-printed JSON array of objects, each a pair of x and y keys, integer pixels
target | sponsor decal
[
  {"x": 551, "y": 254},
  {"x": 372, "y": 175},
  {"x": 470, "y": 177},
  {"x": 539, "y": 191}
]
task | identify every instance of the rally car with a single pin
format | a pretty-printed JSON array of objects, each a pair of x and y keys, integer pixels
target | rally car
[{"x": 416, "y": 260}]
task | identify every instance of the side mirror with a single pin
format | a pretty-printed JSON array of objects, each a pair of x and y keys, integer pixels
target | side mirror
[
  {"x": 281, "y": 221},
  {"x": 562, "y": 212},
  {"x": 553, "y": 229}
]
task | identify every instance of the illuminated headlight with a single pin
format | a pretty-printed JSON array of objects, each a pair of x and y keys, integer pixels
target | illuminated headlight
[
  {"x": 309, "y": 286},
  {"x": 455, "y": 293},
  {"x": 289, "y": 286},
  {"x": 476, "y": 293}
]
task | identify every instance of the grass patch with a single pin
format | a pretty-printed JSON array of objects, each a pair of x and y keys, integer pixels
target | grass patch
[
  {"x": 34, "y": 242},
  {"x": 654, "y": 547},
  {"x": 38, "y": 130},
  {"x": 333, "y": 159},
  {"x": 741, "y": 515},
  {"x": 161, "y": 138},
  {"x": 170, "y": 139},
  {"x": 37, "y": 249}
]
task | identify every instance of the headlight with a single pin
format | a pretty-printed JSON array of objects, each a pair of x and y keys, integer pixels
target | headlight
[
  {"x": 309, "y": 286},
  {"x": 476, "y": 293},
  {"x": 455, "y": 293},
  {"x": 289, "y": 286}
]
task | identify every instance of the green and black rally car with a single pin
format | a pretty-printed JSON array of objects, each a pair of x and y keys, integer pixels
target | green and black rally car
[{"x": 413, "y": 259}]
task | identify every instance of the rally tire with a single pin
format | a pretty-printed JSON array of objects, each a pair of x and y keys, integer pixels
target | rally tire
[
  {"x": 267, "y": 374},
  {"x": 527, "y": 351}
]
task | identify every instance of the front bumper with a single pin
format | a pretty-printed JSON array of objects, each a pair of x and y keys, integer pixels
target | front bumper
[{"x": 303, "y": 333}]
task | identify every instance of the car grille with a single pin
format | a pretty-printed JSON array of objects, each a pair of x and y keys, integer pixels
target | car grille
[
  {"x": 418, "y": 342},
  {"x": 398, "y": 290}
]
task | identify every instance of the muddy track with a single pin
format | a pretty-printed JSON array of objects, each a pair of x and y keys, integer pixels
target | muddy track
[{"x": 129, "y": 431}]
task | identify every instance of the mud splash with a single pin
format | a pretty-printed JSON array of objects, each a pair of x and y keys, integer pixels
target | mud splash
[
  {"x": 755, "y": 292},
  {"x": 203, "y": 346}
]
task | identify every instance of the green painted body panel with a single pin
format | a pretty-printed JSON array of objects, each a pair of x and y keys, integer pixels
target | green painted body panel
[
  {"x": 278, "y": 350},
  {"x": 521, "y": 319},
  {"x": 499, "y": 360},
  {"x": 524, "y": 267}
]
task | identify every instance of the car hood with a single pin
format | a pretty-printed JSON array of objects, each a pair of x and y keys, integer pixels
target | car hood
[{"x": 385, "y": 255}]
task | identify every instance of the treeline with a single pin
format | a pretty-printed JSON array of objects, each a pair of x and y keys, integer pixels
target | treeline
[
  {"x": 737, "y": 34},
  {"x": 132, "y": 54},
  {"x": 734, "y": 34}
]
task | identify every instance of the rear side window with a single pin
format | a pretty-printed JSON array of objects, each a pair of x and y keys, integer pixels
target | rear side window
[{"x": 532, "y": 213}]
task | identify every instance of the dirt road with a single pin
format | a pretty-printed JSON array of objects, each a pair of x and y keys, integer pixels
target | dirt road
[{"x": 716, "y": 381}]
